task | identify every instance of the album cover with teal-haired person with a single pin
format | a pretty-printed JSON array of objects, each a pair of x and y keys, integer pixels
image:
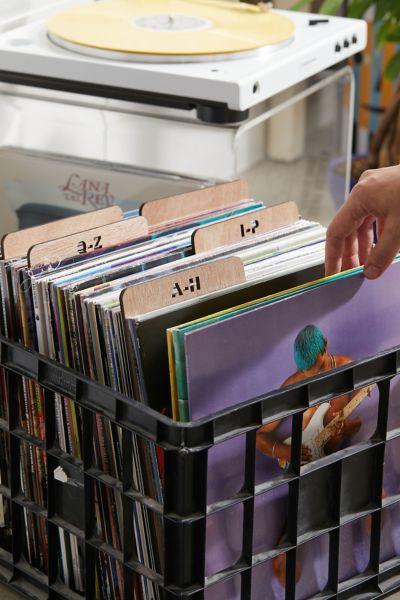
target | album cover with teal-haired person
[{"x": 244, "y": 353}]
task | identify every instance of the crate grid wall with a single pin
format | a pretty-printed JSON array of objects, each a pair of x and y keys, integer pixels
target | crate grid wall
[{"x": 349, "y": 484}]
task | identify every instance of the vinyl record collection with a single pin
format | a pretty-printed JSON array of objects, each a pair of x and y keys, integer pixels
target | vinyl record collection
[
  {"x": 183, "y": 308},
  {"x": 71, "y": 564},
  {"x": 67, "y": 306}
]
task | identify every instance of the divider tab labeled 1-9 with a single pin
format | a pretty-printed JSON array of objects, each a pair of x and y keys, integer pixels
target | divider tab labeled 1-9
[{"x": 237, "y": 229}]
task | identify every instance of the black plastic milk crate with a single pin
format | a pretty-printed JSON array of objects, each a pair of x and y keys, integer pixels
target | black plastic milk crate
[{"x": 353, "y": 477}]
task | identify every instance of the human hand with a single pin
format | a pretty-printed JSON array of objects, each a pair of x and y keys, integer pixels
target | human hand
[{"x": 375, "y": 198}]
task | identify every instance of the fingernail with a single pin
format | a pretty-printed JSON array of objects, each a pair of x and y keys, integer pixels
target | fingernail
[{"x": 371, "y": 272}]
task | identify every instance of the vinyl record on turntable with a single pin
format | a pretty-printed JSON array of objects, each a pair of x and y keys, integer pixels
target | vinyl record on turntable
[{"x": 169, "y": 29}]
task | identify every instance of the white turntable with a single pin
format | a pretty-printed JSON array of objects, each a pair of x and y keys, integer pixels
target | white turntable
[
  {"x": 220, "y": 88},
  {"x": 147, "y": 124}
]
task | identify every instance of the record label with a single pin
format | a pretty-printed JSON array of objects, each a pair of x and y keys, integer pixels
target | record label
[{"x": 172, "y": 22}]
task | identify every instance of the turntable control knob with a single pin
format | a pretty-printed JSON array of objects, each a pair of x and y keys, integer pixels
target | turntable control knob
[
  {"x": 346, "y": 43},
  {"x": 338, "y": 48},
  {"x": 354, "y": 39}
]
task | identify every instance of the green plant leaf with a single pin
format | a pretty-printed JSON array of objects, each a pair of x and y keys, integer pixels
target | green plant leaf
[
  {"x": 384, "y": 8},
  {"x": 383, "y": 32},
  {"x": 301, "y": 4},
  {"x": 389, "y": 31},
  {"x": 393, "y": 69},
  {"x": 389, "y": 7},
  {"x": 330, "y": 7},
  {"x": 393, "y": 36},
  {"x": 358, "y": 8}
]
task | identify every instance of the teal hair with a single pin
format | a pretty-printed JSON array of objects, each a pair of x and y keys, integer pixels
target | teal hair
[{"x": 309, "y": 343}]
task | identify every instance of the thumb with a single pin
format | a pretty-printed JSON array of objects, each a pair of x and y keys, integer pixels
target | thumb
[{"x": 385, "y": 250}]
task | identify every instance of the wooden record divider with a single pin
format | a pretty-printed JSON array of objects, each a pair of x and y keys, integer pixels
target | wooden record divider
[
  {"x": 252, "y": 224},
  {"x": 209, "y": 276},
  {"x": 45, "y": 246},
  {"x": 87, "y": 242},
  {"x": 165, "y": 211},
  {"x": 157, "y": 213},
  {"x": 17, "y": 243},
  {"x": 177, "y": 287}
]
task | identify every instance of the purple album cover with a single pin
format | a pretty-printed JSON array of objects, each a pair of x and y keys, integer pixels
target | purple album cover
[
  {"x": 261, "y": 350},
  {"x": 244, "y": 356}
]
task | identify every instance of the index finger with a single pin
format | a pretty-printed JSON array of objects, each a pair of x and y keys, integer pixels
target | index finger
[
  {"x": 334, "y": 250},
  {"x": 347, "y": 221}
]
